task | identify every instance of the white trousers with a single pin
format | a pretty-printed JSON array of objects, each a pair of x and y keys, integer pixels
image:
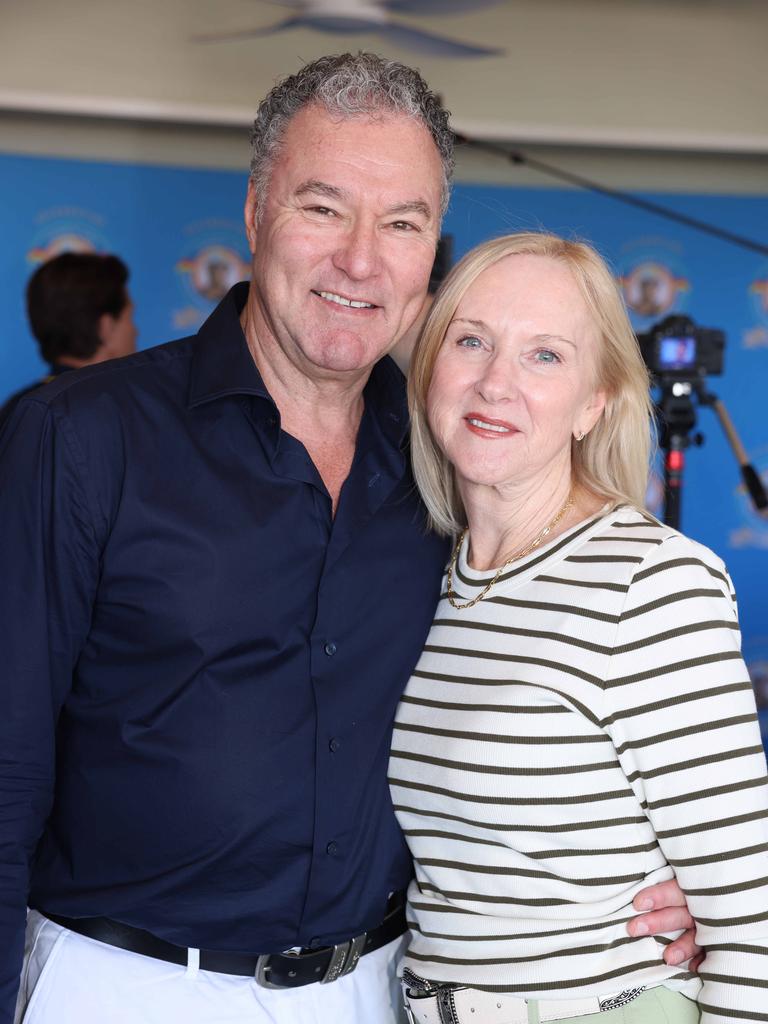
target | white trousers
[{"x": 68, "y": 979}]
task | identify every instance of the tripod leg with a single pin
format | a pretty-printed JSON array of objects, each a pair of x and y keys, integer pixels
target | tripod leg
[{"x": 674, "y": 464}]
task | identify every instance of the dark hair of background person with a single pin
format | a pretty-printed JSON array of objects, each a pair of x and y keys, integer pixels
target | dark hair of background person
[{"x": 66, "y": 297}]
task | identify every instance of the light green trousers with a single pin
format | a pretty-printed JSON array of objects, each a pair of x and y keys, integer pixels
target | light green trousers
[{"x": 657, "y": 1006}]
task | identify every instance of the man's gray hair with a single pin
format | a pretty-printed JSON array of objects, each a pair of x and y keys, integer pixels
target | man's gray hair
[{"x": 349, "y": 85}]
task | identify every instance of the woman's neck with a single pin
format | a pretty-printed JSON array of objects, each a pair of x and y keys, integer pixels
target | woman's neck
[{"x": 503, "y": 522}]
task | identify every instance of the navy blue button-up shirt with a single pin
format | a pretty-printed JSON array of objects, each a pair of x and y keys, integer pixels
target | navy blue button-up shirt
[{"x": 199, "y": 664}]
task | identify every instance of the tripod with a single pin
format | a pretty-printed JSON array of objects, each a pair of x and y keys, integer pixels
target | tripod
[{"x": 677, "y": 418}]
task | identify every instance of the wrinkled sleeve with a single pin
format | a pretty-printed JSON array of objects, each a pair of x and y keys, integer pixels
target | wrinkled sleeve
[
  {"x": 682, "y": 716},
  {"x": 48, "y": 576}
]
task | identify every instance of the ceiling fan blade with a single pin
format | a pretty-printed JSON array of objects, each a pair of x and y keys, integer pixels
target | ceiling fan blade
[
  {"x": 339, "y": 24},
  {"x": 248, "y": 33},
  {"x": 334, "y": 24},
  {"x": 439, "y": 6},
  {"x": 425, "y": 42},
  {"x": 399, "y": 35}
]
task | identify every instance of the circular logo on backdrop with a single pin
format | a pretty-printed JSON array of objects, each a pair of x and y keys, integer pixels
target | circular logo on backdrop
[
  {"x": 58, "y": 245},
  {"x": 756, "y": 336},
  {"x": 652, "y": 278},
  {"x": 213, "y": 270},
  {"x": 216, "y": 257},
  {"x": 758, "y": 292},
  {"x": 66, "y": 230},
  {"x": 653, "y": 288}
]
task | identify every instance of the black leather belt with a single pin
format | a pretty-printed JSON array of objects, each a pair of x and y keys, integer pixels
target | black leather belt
[{"x": 272, "y": 970}]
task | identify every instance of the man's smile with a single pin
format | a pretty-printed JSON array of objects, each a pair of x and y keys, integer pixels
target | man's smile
[{"x": 342, "y": 300}]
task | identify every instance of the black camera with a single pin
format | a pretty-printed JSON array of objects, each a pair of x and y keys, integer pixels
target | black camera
[{"x": 677, "y": 350}]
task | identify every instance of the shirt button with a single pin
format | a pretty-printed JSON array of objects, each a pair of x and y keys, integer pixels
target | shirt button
[
  {"x": 332, "y": 849},
  {"x": 330, "y": 648},
  {"x": 334, "y": 745}
]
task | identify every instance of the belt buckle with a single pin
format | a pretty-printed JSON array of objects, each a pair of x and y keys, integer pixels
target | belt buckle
[
  {"x": 262, "y": 968},
  {"x": 344, "y": 959},
  {"x": 410, "y": 1015}
]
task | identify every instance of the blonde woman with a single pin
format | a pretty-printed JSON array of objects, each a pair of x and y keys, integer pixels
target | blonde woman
[{"x": 581, "y": 724}]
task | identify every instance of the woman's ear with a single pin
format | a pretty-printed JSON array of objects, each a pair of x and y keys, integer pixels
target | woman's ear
[{"x": 591, "y": 413}]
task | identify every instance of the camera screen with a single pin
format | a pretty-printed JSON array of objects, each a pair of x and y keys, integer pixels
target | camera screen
[{"x": 677, "y": 353}]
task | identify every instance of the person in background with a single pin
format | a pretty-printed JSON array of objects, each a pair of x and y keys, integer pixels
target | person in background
[
  {"x": 215, "y": 584},
  {"x": 581, "y": 724},
  {"x": 80, "y": 312}
]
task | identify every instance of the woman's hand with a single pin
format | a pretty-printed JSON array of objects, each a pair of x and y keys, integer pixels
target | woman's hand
[{"x": 665, "y": 910}]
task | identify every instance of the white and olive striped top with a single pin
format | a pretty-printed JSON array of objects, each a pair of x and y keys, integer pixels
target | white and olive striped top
[{"x": 579, "y": 734}]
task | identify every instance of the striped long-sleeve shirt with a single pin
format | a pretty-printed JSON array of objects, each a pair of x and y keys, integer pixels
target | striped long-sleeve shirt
[{"x": 585, "y": 731}]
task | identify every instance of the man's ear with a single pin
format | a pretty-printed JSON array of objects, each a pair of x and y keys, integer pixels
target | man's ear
[
  {"x": 251, "y": 214},
  {"x": 105, "y": 328}
]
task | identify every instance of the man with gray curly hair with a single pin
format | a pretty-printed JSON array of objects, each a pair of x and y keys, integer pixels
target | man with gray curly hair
[
  {"x": 230, "y": 585},
  {"x": 199, "y": 818},
  {"x": 347, "y": 86}
]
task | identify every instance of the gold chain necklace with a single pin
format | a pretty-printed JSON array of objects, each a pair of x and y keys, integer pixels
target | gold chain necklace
[{"x": 512, "y": 558}]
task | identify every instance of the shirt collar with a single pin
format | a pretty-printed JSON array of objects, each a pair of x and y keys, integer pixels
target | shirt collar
[
  {"x": 222, "y": 365},
  {"x": 385, "y": 396}
]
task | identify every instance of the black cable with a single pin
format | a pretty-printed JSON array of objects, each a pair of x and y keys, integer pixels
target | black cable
[{"x": 516, "y": 157}]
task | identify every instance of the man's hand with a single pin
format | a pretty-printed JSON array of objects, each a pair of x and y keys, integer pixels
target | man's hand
[{"x": 665, "y": 910}]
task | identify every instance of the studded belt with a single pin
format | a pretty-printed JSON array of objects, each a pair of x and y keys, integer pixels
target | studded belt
[{"x": 427, "y": 1003}]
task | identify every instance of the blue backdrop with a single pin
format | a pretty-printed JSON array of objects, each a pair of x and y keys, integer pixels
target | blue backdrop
[{"x": 180, "y": 231}]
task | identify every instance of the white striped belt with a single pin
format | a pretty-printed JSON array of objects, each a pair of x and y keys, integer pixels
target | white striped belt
[{"x": 447, "y": 1005}]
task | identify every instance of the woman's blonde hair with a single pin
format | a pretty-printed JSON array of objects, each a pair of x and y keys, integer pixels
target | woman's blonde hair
[{"x": 613, "y": 459}]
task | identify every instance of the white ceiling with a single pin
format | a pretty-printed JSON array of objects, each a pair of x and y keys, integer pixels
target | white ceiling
[{"x": 681, "y": 74}]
